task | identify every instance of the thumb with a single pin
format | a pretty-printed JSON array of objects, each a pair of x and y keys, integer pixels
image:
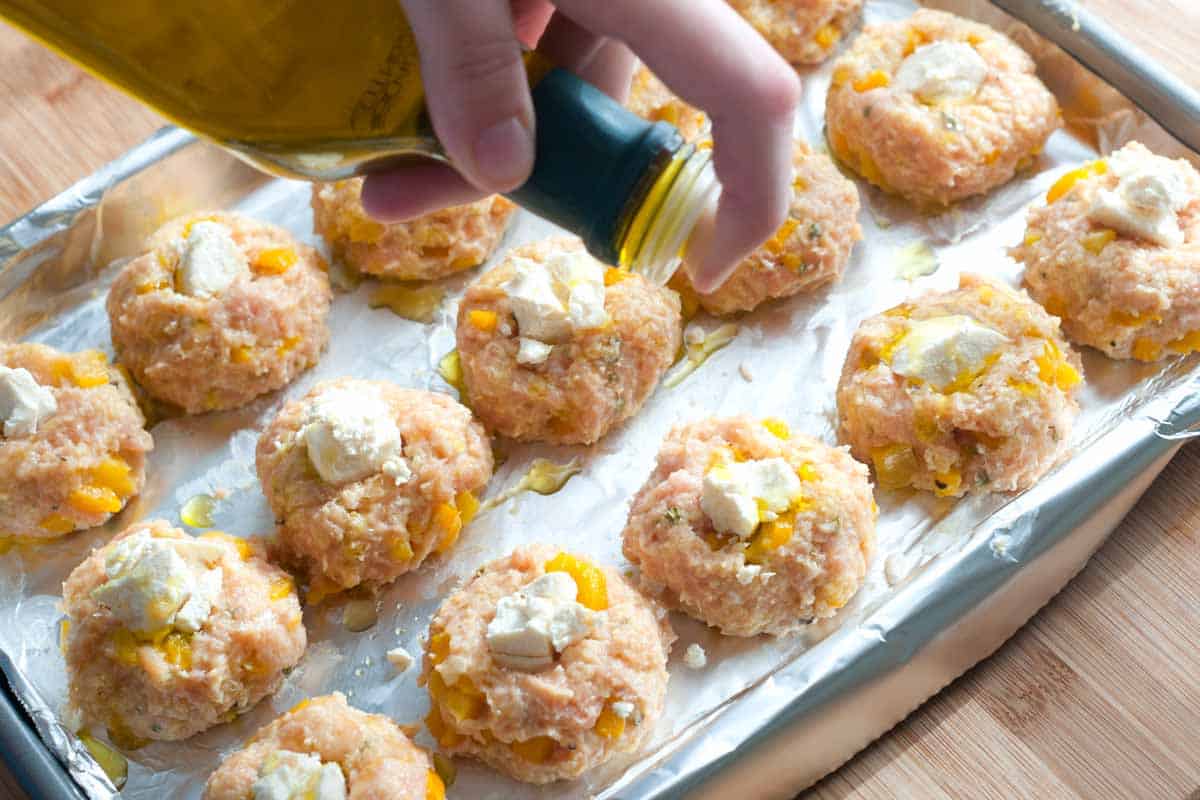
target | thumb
[{"x": 475, "y": 88}]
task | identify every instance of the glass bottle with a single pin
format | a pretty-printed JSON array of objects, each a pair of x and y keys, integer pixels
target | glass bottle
[{"x": 325, "y": 90}]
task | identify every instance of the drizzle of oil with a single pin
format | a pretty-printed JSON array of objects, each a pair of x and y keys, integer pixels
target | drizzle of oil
[
  {"x": 360, "y": 614},
  {"x": 696, "y": 353},
  {"x": 543, "y": 476},
  {"x": 197, "y": 511},
  {"x": 450, "y": 368},
  {"x": 115, "y": 765},
  {"x": 418, "y": 303},
  {"x": 916, "y": 261}
]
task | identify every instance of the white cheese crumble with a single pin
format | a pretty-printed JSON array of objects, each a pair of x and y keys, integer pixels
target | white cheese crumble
[
  {"x": 400, "y": 658},
  {"x": 536, "y": 622},
  {"x": 940, "y": 350},
  {"x": 1146, "y": 201},
  {"x": 731, "y": 494},
  {"x": 553, "y": 300},
  {"x": 695, "y": 657},
  {"x": 24, "y": 403},
  {"x": 209, "y": 260},
  {"x": 350, "y": 434},
  {"x": 531, "y": 351},
  {"x": 623, "y": 709},
  {"x": 942, "y": 71},
  {"x": 150, "y": 586},
  {"x": 287, "y": 775},
  {"x": 746, "y": 573}
]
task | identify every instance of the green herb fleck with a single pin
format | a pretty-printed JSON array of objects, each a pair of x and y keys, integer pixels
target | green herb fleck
[
  {"x": 814, "y": 230},
  {"x": 673, "y": 516}
]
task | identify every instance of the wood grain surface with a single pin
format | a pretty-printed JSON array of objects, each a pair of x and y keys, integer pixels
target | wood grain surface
[{"x": 1097, "y": 697}]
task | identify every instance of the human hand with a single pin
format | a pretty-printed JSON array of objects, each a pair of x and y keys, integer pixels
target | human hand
[{"x": 705, "y": 52}]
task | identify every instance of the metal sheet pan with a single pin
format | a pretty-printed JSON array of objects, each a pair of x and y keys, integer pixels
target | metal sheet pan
[{"x": 950, "y": 583}]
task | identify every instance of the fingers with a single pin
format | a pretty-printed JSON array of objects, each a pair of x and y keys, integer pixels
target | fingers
[
  {"x": 712, "y": 58},
  {"x": 414, "y": 189},
  {"x": 475, "y": 88},
  {"x": 604, "y": 63}
]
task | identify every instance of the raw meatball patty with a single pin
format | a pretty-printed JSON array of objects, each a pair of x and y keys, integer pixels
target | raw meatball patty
[
  {"x": 219, "y": 310},
  {"x": 590, "y": 379},
  {"x": 599, "y": 695},
  {"x": 432, "y": 246},
  {"x": 168, "y": 635},
  {"x": 937, "y": 108},
  {"x": 367, "y": 479},
  {"x": 802, "y": 31},
  {"x": 321, "y": 744},
  {"x": 72, "y": 446},
  {"x": 810, "y": 249},
  {"x": 650, "y": 99},
  {"x": 965, "y": 391},
  {"x": 1115, "y": 253},
  {"x": 787, "y": 567}
]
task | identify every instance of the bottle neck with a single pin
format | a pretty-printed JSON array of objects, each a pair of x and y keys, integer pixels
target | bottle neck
[{"x": 631, "y": 189}]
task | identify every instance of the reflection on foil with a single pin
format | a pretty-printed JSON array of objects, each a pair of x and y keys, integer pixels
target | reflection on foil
[{"x": 934, "y": 556}]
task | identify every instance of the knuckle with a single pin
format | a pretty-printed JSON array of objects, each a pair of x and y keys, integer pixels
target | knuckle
[{"x": 774, "y": 93}]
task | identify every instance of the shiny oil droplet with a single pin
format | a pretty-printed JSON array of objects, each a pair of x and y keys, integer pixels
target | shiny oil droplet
[
  {"x": 417, "y": 303},
  {"x": 197, "y": 511},
  {"x": 115, "y": 765},
  {"x": 450, "y": 368},
  {"x": 360, "y": 614},
  {"x": 916, "y": 261},
  {"x": 698, "y": 350}
]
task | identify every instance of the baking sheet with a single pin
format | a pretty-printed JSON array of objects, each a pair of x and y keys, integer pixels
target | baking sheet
[{"x": 53, "y": 292}]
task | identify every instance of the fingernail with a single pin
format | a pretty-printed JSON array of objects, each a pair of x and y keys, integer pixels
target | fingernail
[{"x": 504, "y": 154}]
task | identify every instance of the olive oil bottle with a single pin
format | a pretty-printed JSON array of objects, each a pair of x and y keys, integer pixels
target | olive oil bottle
[{"x": 325, "y": 90}]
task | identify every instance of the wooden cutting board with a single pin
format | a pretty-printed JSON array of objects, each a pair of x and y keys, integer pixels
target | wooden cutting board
[{"x": 1097, "y": 697}]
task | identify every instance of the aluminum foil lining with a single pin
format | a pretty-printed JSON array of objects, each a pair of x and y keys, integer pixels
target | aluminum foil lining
[{"x": 55, "y": 266}]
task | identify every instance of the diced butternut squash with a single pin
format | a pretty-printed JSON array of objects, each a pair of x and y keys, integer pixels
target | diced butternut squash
[
  {"x": 1146, "y": 349},
  {"x": 536, "y": 750},
  {"x": 1067, "y": 182},
  {"x": 281, "y": 587},
  {"x": 434, "y": 788},
  {"x": 274, "y": 261},
  {"x": 770, "y": 536},
  {"x": 468, "y": 506},
  {"x": 613, "y": 276},
  {"x": 1096, "y": 241},
  {"x": 115, "y": 474},
  {"x": 1186, "y": 344},
  {"x": 777, "y": 427},
  {"x": 589, "y": 579},
  {"x": 439, "y": 647},
  {"x": 947, "y": 484},
  {"x": 450, "y": 523},
  {"x": 442, "y": 733},
  {"x": 609, "y": 724},
  {"x": 482, "y": 319},
  {"x": 94, "y": 500},
  {"x": 177, "y": 650},
  {"x": 827, "y": 36},
  {"x": 875, "y": 79}
]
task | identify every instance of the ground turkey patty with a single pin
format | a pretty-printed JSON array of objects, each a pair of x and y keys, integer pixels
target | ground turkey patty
[
  {"x": 650, "y": 99},
  {"x": 209, "y": 353},
  {"x": 553, "y": 724},
  {"x": 598, "y": 379},
  {"x": 810, "y": 249},
  {"x": 373, "y": 530},
  {"x": 431, "y": 246},
  {"x": 1124, "y": 295},
  {"x": 376, "y": 758},
  {"x": 173, "y": 685},
  {"x": 936, "y": 153},
  {"x": 802, "y": 31},
  {"x": 996, "y": 428},
  {"x": 83, "y": 463},
  {"x": 791, "y": 572}
]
